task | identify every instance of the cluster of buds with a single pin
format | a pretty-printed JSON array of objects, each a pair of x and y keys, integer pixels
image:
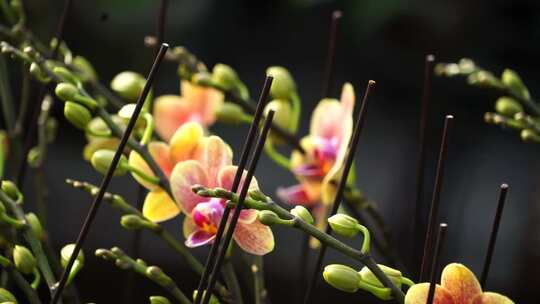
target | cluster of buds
[{"x": 347, "y": 279}]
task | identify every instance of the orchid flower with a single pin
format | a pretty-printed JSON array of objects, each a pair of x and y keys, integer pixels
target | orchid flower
[
  {"x": 196, "y": 104},
  {"x": 325, "y": 147},
  {"x": 192, "y": 159},
  {"x": 458, "y": 286}
]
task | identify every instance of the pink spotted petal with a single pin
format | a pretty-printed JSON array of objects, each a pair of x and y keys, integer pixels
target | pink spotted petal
[
  {"x": 254, "y": 238},
  {"x": 185, "y": 175},
  {"x": 226, "y": 178},
  {"x": 491, "y": 298},
  {"x": 170, "y": 112},
  {"x": 248, "y": 216},
  {"x": 203, "y": 101},
  {"x": 460, "y": 282},
  {"x": 295, "y": 195},
  {"x": 214, "y": 154},
  {"x": 418, "y": 294},
  {"x": 199, "y": 238}
]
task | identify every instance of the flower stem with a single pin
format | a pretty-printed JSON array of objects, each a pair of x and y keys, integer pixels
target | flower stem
[
  {"x": 21, "y": 282},
  {"x": 232, "y": 281}
]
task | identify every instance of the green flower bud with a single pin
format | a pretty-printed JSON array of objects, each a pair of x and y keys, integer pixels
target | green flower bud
[
  {"x": 85, "y": 71},
  {"x": 24, "y": 260},
  {"x": 224, "y": 76},
  {"x": 483, "y": 79},
  {"x": 283, "y": 84},
  {"x": 34, "y": 223},
  {"x": 529, "y": 136},
  {"x": 258, "y": 195},
  {"x": 66, "y": 91},
  {"x": 344, "y": 225},
  {"x": 342, "y": 277},
  {"x": 132, "y": 221},
  {"x": 67, "y": 251},
  {"x": 159, "y": 300},
  {"x": 303, "y": 213},
  {"x": 6, "y": 296},
  {"x": 77, "y": 115},
  {"x": 10, "y": 189},
  {"x": 38, "y": 73},
  {"x": 282, "y": 117},
  {"x": 34, "y": 157},
  {"x": 268, "y": 218},
  {"x": 514, "y": 83},
  {"x": 157, "y": 275},
  {"x": 466, "y": 66},
  {"x": 230, "y": 113},
  {"x": 105, "y": 254},
  {"x": 101, "y": 160},
  {"x": 129, "y": 85},
  {"x": 508, "y": 106},
  {"x": 213, "y": 299},
  {"x": 65, "y": 75},
  {"x": 393, "y": 274}
]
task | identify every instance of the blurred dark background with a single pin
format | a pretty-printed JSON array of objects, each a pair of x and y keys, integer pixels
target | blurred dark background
[{"x": 382, "y": 40}]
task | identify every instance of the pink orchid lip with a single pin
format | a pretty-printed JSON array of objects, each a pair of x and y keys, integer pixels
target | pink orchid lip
[{"x": 207, "y": 215}]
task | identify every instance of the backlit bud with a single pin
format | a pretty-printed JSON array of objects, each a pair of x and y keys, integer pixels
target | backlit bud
[
  {"x": 344, "y": 225},
  {"x": 38, "y": 73},
  {"x": 6, "y": 296},
  {"x": 84, "y": 69},
  {"x": 11, "y": 189},
  {"x": 65, "y": 75},
  {"x": 224, "y": 76},
  {"x": 483, "y": 79},
  {"x": 101, "y": 160},
  {"x": 528, "y": 135},
  {"x": 466, "y": 66},
  {"x": 283, "y": 85},
  {"x": 514, "y": 83},
  {"x": 230, "y": 113},
  {"x": 129, "y": 85},
  {"x": 282, "y": 116},
  {"x": 77, "y": 115},
  {"x": 342, "y": 277},
  {"x": 66, "y": 91},
  {"x": 67, "y": 251},
  {"x": 159, "y": 300},
  {"x": 394, "y": 275},
  {"x": 157, "y": 275},
  {"x": 303, "y": 213},
  {"x": 508, "y": 106},
  {"x": 24, "y": 260},
  {"x": 34, "y": 223}
]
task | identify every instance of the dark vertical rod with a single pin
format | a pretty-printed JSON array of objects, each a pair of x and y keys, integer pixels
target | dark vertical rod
[
  {"x": 331, "y": 56},
  {"x": 503, "y": 191},
  {"x": 351, "y": 151},
  {"x": 34, "y": 113},
  {"x": 434, "y": 210},
  {"x": 108, "y": 176},
  {"x": 234, "y": 220},
  {"x": 248, "y": 144},
  {"x": 162, "y": 20},
  {"x": 421, "y": 162},
  {"x": 441, "y": 236}
]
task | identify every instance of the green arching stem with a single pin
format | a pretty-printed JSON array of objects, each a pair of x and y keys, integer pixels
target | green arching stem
[
  {"x": 32, "y": 240},
  {"x": 148, "y": 129},
  {"x": 37, "y": 279},
  {"x": 296, "y": 112},
  {"x": 327, "y": 239},
  {"x": 277, "y": 157},
  {"x": 21, "y": 282},
  {"x": 366, "y": 242},
  {"x": 151, "y": 179}
]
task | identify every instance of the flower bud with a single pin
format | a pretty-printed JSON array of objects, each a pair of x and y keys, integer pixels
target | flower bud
[
  {"x": 129, "y": 85},
  {"x": 77, "y": 115},
  {"x": 230, "y": 113},
  {"x": 67, "y": 251},
  {"x": 34, "y": 157},
  {"x": 85, "y": 71},
  {"x": 393, "y": 274},
  {"x": 105, "y": 254},
  {"x": 303, "y": 213},
  {"x": 466, "y": 66},
  {"x": 132, "y": 221},
  {"x": 258, "y": 195},
  {"x": 508, "y": 106},
  {"x": 159, "y": 300},
  {"x": 344, "y": 225},
  {"x": 65, "y": 75},
  {"x": 283, "y": 84},
  {"x": 157, "y": 275},
  {"x": 38, "y": 73},
  {"x": 224, "y": 76},
  {"x": 101, "y": 160},
  {"x": 10, "y": 189},
  {"x": 6, "y": 296},
  {"x": 66, "y": 91},
  {"x": 514, "y": 83},
  {"x": 282, "y": 116},
  {"x": 483, "y": 79},
  {"x": 529, "y": 136},
  {"x": 34, "y": 223},
  {"x": 24, "y": 260},
  {"x": 268, "y": 218},
  {"x": 342, "y": 277}
]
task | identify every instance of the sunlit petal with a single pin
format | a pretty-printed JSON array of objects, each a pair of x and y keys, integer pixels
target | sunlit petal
[
  {"x": 491, "y": 298},
  {"x": 214, "y": 154},
  {"x": 254, "y": 238},
  {"x": 418, "y": 294},
  {"x": 460, "y": 282},
  {"x": 295, "y": 195},
  {"x": 226, "y": 178},
  {"x": 204, "y": 101},
  {"x": 160, "y": 153},
  {"x": 159, "y": 206},
  {"x": 170, "y": 112},
  {"x": 185, "y": 175},
  {"x": 248, "y": 216},
  {"x": 184, "y": 141}
]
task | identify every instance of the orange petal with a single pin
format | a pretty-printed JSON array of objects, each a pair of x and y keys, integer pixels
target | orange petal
[
  {"x": 254, "y": 238},
  {"x": 213, "y": 153},
  {"x": 226, "y": 177},
  {"x": 203, "y": 101},
  {"x": 160, "y": 153},
  {"x": 418, "y": 294},
  {"x": 185, "y": 175},
  {"x": 491, "y": 298},
  {"x": 184, "y": 141},
  {"x": 461, "y": 282},
  {"x": 159, "y": 206},
  {"x": 170, "y": 112}
]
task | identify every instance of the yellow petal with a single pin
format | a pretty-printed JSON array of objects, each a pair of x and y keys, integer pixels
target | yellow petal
[
  {"x": 418, "y": 294},
  {"x": 185, "y": 140},
  {"x": 461, "y": 282},
  {"x": 160, "y": 153},
  {"x": 159, "y": 206},
  {"x": 491, "y": 298}
]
